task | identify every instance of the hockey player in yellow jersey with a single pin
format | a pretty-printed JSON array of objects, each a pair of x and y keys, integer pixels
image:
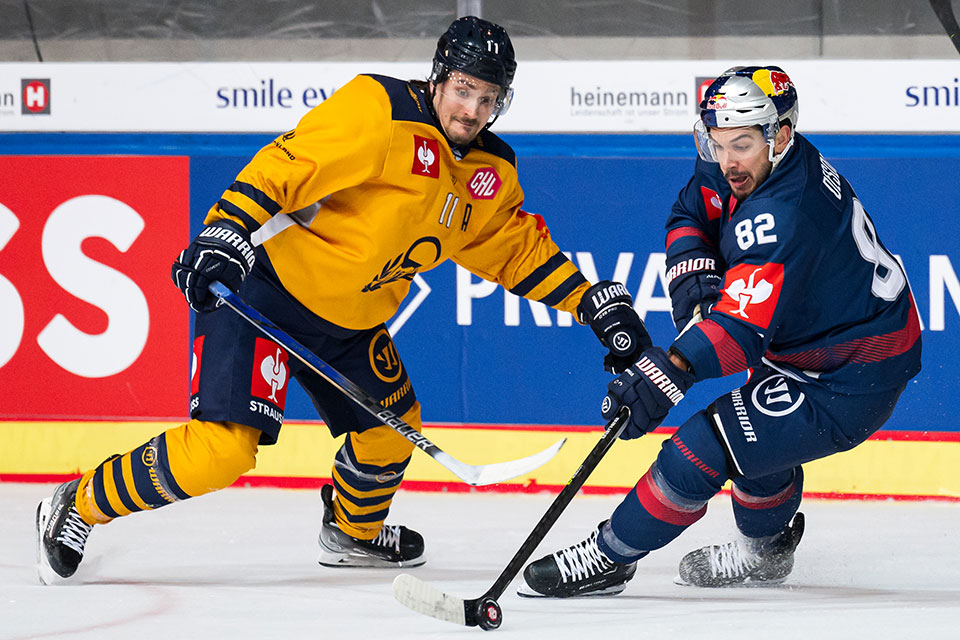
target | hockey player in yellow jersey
[{"x": 323, "y": 231}]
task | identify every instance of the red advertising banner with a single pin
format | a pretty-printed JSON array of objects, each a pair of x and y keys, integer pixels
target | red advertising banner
[{"x": 90, "y": 324}]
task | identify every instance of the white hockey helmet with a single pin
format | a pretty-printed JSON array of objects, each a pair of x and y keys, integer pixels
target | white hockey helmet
[{"x": 745, "y": 97}]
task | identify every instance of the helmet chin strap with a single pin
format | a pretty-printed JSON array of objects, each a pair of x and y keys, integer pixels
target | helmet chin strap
[{"x": 775, "y": 158}]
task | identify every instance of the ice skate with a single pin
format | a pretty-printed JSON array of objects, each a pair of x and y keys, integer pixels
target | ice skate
[
  {"x": 580, "y": 570},
  {"x": 395, "y": 546},
  {"x": 742, "y": 562},
  {"x": 61, "y": 534}
]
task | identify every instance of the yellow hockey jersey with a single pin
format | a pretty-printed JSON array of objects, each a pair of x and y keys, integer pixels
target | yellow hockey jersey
[{"x": 366, "y": 192}]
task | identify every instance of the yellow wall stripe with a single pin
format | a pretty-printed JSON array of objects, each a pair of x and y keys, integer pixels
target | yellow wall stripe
[{"x": 904, "y": 468}]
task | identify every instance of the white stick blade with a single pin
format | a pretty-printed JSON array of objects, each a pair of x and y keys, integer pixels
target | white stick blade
[
  {"x": 503, "y": 471},
  {"x": 417, "y": 595}
]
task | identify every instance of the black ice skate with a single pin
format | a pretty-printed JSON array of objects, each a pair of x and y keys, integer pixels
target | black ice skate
[
  {"x": 740, "y": 563},
  {"x": 577, "y": 571},
  {"x": 61, "y": 534},
  {"x": 394, "y": 546}
]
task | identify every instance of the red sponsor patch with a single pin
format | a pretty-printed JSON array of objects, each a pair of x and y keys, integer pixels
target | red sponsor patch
[
  {"x": 484, "y": 184},
  {"x": 90, "y": 326},
  {"x": 195, "y": 365},
  {"x": 712, "y": 203},
  {"x": 426, "y": 157},
  {"x": 750, "y": 292},
  {"x": 270, "y": 372}
]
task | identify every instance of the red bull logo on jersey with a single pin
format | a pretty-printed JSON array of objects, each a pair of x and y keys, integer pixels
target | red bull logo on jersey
[
  {"x": 426, "y": 156},
  {"x": 484, "y": 184},
  {"x": 195, "y": 365},
  {"x": 751, "y": 292},
  {"x": 270, "y": 372}
]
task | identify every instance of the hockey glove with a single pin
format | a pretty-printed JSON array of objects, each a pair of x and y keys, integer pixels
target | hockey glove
[
  {"x": 222, "y": 251},
  {"x": 694, "y": 285},
  {"x": 608, "y": 309},
  {"x": 651, "y": 387}
]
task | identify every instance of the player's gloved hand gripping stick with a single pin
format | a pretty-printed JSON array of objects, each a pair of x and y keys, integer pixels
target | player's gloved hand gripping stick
[
  {"x": 484, "y": 611},
  {"x": 476, "y": 475}
]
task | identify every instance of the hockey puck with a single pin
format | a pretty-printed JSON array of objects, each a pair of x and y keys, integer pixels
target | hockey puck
[{"x": 489, "y": 614}]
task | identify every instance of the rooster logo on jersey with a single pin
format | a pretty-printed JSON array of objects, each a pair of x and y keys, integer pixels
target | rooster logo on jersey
[{"x": 751, "y": 292}]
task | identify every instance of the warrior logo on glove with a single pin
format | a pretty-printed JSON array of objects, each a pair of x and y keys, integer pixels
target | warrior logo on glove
[{"x": 608, "y": 309}]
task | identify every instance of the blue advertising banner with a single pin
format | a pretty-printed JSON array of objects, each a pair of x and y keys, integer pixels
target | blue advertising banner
[{"x": 477, "y": 354}]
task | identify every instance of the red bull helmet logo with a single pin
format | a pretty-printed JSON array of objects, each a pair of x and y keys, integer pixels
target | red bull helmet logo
[{"x": 773, "y": 83}]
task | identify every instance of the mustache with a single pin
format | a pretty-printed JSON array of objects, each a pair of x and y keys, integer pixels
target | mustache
[
  {"x": 470, "y": 122},
  {"x": 731, "y": 175}
]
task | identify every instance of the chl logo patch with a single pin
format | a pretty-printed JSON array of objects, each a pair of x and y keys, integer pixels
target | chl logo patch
[
  {"x": 713, "y": 203},
  {"x": 774, "y": 397},
  {"x": 751, "y": 292},
  {"x": 484, "y": 184},
  {"x": 383, "y": 357},
  {"x": 426, "y": 157},
  {"x": 270, "y": 372},
  {"x": 195, "y": 365}
]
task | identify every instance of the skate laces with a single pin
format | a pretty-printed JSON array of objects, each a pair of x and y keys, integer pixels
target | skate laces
[
  {"x": 389, "y": 536},
  {"x": 74, "y": 531},
  {"x": 581, "y": 560},
  {"x": 732, "y": 559}
]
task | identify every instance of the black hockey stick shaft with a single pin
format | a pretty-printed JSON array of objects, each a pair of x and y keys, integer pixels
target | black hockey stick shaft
[
  {"x": 613, "y": 429},
  {"x": 944, "y": 11}
]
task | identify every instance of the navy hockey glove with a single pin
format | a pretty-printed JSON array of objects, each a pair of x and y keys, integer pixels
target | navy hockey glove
[
  {"x": 694, "y": 285},
  {"x": 222, "y": 251},
  {"x": 651, "y": 387},
  {"x": 608, "y": 309}
]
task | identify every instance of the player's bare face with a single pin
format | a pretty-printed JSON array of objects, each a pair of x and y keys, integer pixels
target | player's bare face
[
  {"x": 743, "y": 154},
  {"x": 463, "y": 105}
]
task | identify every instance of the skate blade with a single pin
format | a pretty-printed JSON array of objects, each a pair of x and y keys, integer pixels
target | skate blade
[
  {"x": 45, "y": 572},
  {"x": 334, "y": 559},
  {"x": 752, "y": 584},
  {"x": 526, "y": 591}
]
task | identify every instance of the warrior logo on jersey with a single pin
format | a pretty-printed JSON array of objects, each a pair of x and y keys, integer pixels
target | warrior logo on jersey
[
  {"x": 712, "y": 203},
  {"x": 383, "y": 357},
  {"x": 775, "y": 398},
  {"x": 270, "y": 372},
  {"x": 484, "y": 184},
  {"x": 425, "y": 156},
  {"x": 750, "y": 292}
]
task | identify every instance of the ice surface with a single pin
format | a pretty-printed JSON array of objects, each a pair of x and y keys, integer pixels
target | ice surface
[{"x": 241, "y": 563}]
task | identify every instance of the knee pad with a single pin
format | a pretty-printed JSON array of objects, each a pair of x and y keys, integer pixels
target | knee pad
[
  {"x": 693, "y": 461},
  {"x": 207, "y": 456}
]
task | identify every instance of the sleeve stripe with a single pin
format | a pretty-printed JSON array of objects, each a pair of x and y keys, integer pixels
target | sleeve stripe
[
  {"x": 540, "y": 274},
  {"x": 685, "y": 232},
  {"x": 257, "y": 196},
  {"x": 231, "y": 209},
  {"x": 565, "y": 289},
  {"x": 729, "y": 352}
]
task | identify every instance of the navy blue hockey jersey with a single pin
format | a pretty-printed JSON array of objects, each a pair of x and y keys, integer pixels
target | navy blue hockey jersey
[{"x": 808, "y": 287}]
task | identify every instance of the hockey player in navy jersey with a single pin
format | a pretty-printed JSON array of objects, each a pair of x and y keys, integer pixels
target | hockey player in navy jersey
[{"x": 774, "y": 267}]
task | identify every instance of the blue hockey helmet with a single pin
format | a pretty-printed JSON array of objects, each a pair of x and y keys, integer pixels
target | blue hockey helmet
[
  {"x": 478, "y": 48},
  {"x": 745, "y": 97}
]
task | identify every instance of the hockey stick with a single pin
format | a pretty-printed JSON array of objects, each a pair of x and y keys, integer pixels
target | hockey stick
[
  {"x": 476, "y": 475},
  {"x": 945, "y": 14},
  {"x": 485, "y": 611}
]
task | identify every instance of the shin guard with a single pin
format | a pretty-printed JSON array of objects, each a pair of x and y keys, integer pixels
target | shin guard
[
  {"x": 367, "y": 472},
  {"x": 180, "y": 463},
  {"x": 764, "y": 506}
]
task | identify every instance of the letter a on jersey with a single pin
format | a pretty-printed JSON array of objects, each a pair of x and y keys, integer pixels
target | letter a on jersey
[{"x": 750, "y": 292}]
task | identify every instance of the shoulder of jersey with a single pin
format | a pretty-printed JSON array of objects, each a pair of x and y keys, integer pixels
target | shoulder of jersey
[{"x": 410, "y": 104}]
